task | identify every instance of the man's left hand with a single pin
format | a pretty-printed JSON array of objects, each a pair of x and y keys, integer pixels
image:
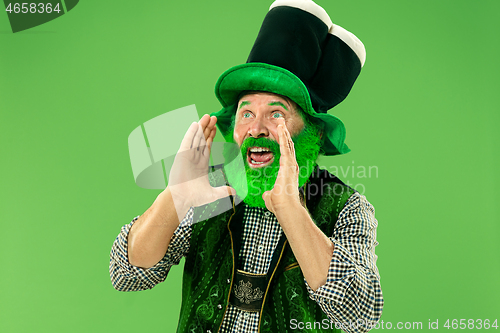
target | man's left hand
[{"x": 285, "y": 193}]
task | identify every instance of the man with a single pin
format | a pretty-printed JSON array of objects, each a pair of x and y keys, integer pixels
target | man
[{"x": 298, "y": 252}]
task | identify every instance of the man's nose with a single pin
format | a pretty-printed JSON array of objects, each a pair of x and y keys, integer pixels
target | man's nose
[{"x": 258, "y": 129}]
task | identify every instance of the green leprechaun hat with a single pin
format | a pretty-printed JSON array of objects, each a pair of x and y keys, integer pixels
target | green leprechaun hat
[{"x": 299, "y": 53}]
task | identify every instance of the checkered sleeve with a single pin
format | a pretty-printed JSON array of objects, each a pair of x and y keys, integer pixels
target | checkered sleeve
[
  {"x": 126, "y": 277},
  {"x": 352, "y": 296}
]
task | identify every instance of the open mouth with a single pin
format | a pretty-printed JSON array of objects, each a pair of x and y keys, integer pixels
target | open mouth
[{"x": 259, "y": 157}]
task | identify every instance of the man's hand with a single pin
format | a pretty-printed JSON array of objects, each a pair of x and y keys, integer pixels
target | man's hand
[
  {"x": 312, "y": 248},
  {"x": 188, "y": 186},
  {"x": 188, "y": 179},
  {"x": 285, "y": 193}
]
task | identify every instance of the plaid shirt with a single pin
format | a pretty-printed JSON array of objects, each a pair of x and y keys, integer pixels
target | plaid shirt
[{"x": 352, "y": 291}]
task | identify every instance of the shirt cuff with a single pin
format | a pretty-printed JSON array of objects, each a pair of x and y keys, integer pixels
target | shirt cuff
[
  {"x": 128, "y": 277},
  {"x": 177, "y": 248},
  {"x": 340, "y": 275}
]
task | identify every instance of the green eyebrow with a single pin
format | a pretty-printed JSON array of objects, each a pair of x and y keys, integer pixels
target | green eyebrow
[
  {"x": 243, "y": 104},
  {"x": 279, "y": 104}
]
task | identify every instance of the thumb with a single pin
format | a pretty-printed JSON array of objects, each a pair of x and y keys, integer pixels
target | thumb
[
  {"x": 265, "y": 196},
  {"x": 224, "y": 191}
]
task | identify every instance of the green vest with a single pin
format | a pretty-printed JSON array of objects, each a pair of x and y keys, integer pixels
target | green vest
[{"x": 210, "y": 266}]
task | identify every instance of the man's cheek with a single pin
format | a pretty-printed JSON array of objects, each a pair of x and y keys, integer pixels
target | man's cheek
[{"x": 239, "y": 136}]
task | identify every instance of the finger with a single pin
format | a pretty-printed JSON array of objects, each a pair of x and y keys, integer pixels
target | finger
[
  {"x": 223, "y": 191},
  {"x": 208, "y": 147},
  {"x": 288, "y": 136},
  {"x": 294, "y": 167},
  {"x": 199, "y": 139},
  {"x": 212, "y": 133},
  {"x": 205, "y": 123},
  {"x": 281, "y": 122},
  {"x": 213, "y": 121},
  {"x": 209, "y": 131},
  {"x": 284, "y": 144},
  {"x": 288, "y": 161},
  {"x": 187, "y": 141},
  {"x": 210, "y": 125},
  {"x": 290, "y": 142},
  {"x": 210, "y": 140}
]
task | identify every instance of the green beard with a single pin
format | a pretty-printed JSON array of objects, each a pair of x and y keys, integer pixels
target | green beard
[{"x": 251, "y": 183}]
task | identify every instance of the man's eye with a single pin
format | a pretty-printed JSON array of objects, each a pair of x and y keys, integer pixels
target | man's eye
[
  {"x": 246, "y": 115},
  {"x": 277, "y": 115}
]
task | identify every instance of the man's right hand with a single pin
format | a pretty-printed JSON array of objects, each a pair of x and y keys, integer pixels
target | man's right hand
[
  {"x": 150, "y": 235},
  {"x": 188, "y": 180}
]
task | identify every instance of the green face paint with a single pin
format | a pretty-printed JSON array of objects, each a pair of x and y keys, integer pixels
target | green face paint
[
  {"x": 243, "y": 104},
  {"x": 256, "y": 181}
]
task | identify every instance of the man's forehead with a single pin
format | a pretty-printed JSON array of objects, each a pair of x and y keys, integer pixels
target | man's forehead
[{"x": 274, "y": 100}]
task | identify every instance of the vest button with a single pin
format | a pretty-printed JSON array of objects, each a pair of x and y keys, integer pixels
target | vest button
[
  {"x": 246, "y": 315},
  {"x": 266, "y": 214}
]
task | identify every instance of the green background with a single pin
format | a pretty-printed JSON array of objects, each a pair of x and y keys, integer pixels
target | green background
[{"x": 424, "y": 111}]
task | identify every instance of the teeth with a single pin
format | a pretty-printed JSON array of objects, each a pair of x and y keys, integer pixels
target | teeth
[
  {"x": 258, "y": 149},
  {"x": 255, "y": 162}
]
